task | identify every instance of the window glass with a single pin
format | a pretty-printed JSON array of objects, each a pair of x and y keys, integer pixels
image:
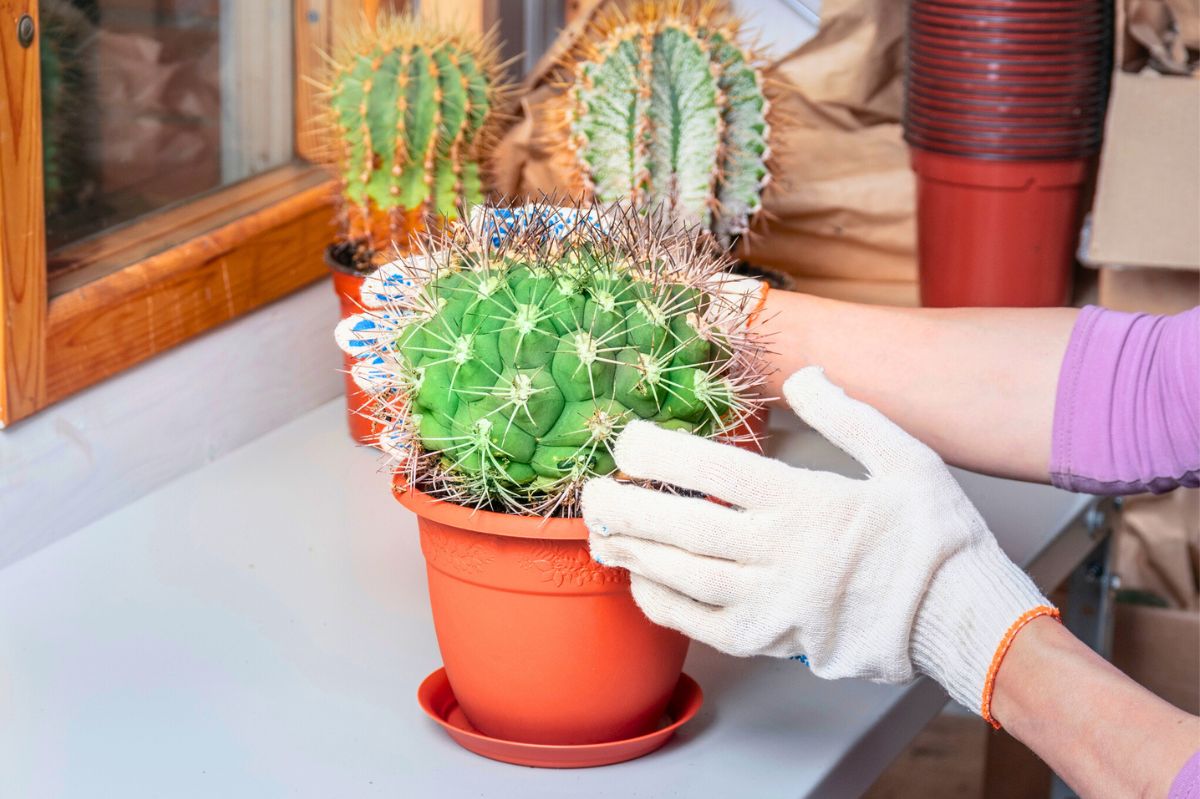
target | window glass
[
  {"x": 149, "y": 103},
  {"x": 527, "y": 29}
]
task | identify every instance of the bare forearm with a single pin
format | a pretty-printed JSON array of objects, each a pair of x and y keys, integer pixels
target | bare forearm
[
  {"x": 976, "y": 384},
  {"x": 1099, "y": 730}
]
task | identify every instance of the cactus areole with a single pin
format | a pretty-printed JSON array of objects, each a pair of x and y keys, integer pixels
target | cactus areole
[
  {"x": 409, "y": 107},
  {"x": 665, "y": 106},
  {"x": 517, "y": 365}
]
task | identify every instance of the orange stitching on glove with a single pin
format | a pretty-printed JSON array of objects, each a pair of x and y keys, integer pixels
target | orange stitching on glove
[
  {"x": 752, "y": 318},
  {"x": 989, "y": 685}
]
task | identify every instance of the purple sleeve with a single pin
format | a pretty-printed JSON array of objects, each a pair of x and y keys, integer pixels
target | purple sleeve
[
  {"x": 1127, "y": 414},
  {"x": 1187, "y": 782}
]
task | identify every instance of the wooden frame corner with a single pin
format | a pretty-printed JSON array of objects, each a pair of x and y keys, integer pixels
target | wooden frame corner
[
  {"x": 182, "y": 272},
  {"x": 22, "y": 223}
]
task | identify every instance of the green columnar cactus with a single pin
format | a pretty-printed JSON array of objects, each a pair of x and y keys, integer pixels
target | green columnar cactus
[
  {"x": 409, "y": 107},
  {"x": 64, "y": 41},
  {"x": 667, "y": 108},
  {"x": 520, "y": 365}
]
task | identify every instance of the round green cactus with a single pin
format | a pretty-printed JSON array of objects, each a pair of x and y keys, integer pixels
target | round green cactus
[
  {"x": 518, "y": 366},
  {"x": 667, "y": 108},
  {"x": 409, "y": 105}
]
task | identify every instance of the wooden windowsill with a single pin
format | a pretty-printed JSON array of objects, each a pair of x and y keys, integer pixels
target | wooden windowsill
[
  {"x": 232, "y": 260},
  {"x": 96, "y": 257}
]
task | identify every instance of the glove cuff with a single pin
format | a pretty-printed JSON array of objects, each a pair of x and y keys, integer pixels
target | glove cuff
[{"x": 976, "y": 603}]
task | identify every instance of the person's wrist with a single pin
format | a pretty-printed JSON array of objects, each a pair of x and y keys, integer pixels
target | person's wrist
[
  {"x": 1023, "y": 659},
  {"x": 976, "y": 603},
  {"x": 788, "y": 316}
]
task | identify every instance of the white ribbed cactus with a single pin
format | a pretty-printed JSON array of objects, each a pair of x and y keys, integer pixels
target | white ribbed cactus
[{"x": 667, "y": 106}]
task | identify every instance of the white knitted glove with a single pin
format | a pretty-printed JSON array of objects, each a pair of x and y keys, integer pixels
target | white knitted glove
[{"x": 878, "y": 577}]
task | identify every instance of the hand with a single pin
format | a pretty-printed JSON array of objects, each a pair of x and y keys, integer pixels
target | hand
[{"x": 880, "y": 577}]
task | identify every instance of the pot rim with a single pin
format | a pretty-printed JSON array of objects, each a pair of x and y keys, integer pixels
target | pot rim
[
  {"x": 336, "y": 266},
  {"x": 485, "y": 521}
]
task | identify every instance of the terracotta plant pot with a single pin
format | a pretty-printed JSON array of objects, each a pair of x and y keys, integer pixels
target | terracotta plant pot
[
  {"x": 541, "y": 644},
  {"x": 996, "y": 233},
  {"x": 346, "y": 284},
  {"x": 985, "y": 111}
]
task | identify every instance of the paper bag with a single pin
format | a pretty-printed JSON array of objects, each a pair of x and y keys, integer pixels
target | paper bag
[
  {"x": 1158, "y": 550},
  {"x": 1165, "y": 34}
]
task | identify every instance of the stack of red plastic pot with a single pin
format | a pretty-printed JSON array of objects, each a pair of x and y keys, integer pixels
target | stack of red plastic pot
[{"x": 1004, "y": 113}]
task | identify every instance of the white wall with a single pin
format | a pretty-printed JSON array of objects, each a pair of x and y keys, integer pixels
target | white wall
[
  {"x": 93, "y": 453},
  {"x": 779, "y": 25}
]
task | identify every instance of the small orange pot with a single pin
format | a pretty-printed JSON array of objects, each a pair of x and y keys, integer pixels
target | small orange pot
[
  {"x": 341, "y": 258},
  {"x": 541, "y": 644},
  {"x": 346, "y": 285}
]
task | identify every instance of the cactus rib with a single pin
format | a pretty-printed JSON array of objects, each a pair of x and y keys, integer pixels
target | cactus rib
[
  {"x": 665, "y": 107},
  {"x": 409, "y": 102}
]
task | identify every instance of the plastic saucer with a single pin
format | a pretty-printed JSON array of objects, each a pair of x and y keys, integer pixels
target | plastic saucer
[{"x": 438, "y": 701}]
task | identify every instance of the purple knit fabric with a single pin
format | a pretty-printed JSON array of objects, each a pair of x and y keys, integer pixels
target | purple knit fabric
[
  {"x": 1127, "y": 414},
  {"x": 1187, "y": 782}
]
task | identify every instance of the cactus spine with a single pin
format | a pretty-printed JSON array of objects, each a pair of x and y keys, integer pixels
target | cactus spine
[
  {"x": 515, "y": 367},
  {"x": 665, "y": 107},
  {"x": 410, "y": 106}
]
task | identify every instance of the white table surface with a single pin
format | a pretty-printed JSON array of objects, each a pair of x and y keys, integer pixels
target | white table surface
[{"x": 258, "y": 628}]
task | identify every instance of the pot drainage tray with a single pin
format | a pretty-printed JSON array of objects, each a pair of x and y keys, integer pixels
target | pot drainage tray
[{"x": 438, "y": 701}]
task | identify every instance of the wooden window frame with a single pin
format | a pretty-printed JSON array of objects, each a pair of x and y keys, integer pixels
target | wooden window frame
[{"x": 182, "y": 271}]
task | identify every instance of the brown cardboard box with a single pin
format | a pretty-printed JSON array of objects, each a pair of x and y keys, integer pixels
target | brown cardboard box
[
  {"x": 1145, "y": 228},
  {"x": 1160, "y": 649},
  {"x": 1144, "y": 234},
  {"x": 1147, "y": 207},
  {"x": 1158, "y": 547},
  {"x": 1158, "y": 554},
  {"x": 1157, "y": 291}
]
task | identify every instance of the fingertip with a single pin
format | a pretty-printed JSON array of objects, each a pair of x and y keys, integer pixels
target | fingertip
[
  {"x": 805, "y": 384},
  {"x": 668, "y": 608},
  {"x": 615, "y": 551},
  {"x": 597, "y": 548},
  {"x": 593, "y": 499},
  {"x": 853, "y": 426},
  {"x": 625, "y": 449},
  {"x": 371, "y": 377},
  {"x": 636, "y": 446}
]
